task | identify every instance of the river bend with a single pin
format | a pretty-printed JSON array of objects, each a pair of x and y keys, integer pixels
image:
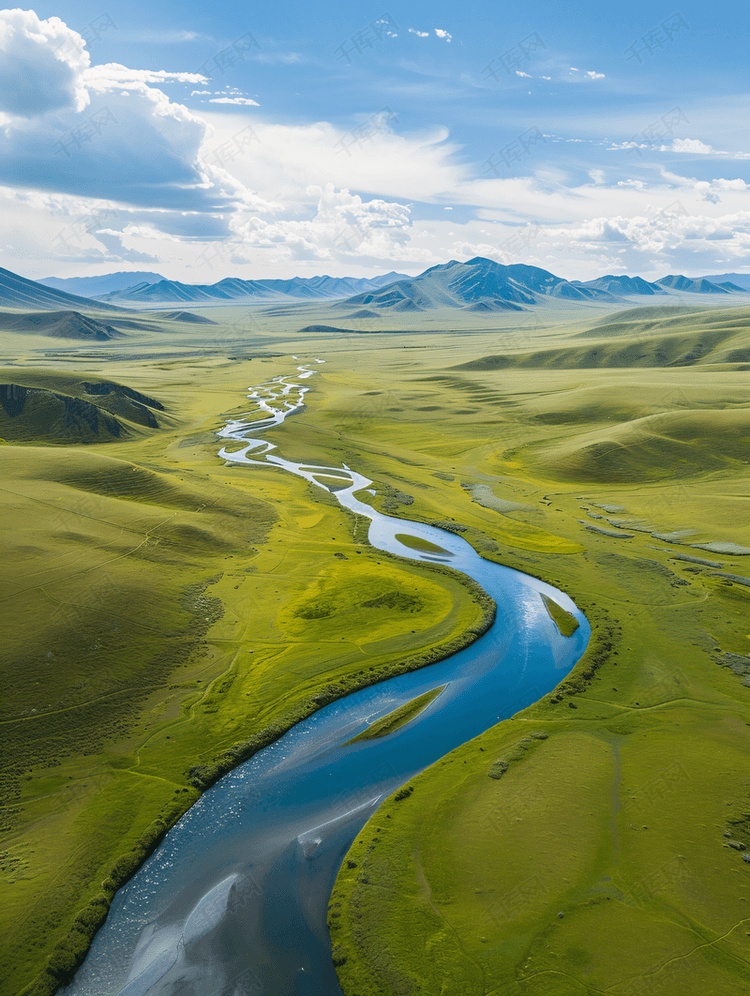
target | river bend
[{"x": 234, "y": 900}]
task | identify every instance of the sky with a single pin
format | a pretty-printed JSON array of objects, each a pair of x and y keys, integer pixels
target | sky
[{"x": 202, "y": 140}]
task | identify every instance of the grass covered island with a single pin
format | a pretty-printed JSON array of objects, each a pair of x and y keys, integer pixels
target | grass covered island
[{"x": 398, "y": 718}]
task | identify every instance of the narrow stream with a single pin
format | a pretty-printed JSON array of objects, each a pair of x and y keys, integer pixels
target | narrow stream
[{"x": 234, "y": 900}]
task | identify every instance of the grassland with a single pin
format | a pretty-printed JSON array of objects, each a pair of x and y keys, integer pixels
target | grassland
[
  {"x": 163, "y": 617},
  {"x": 631, "y": 817},
  {"x": 170, "y": 664}
]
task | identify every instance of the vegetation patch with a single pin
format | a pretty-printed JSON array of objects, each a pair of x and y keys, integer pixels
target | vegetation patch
[
  {"x": 517, "y": 752},
  {"x": 398, "y": 718},
  {"x": 565, "y": 621},
  {"x": 417, "y": 543}
]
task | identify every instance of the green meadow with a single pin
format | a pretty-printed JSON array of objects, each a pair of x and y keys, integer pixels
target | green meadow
[
  {"x": 164, "y": 616},
  {"x": 594, "y": 843},
  {"x": 606, "y": 454}
]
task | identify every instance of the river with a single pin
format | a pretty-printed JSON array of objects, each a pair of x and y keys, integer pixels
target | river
[{"x": 234, "y": 900}]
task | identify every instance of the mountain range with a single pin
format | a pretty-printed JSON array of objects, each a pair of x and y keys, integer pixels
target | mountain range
[
  {"x": 235, "y": 289},
  {"x": 742, "y": 279},
  {"x": 103, "y": 284},
  {"x": 479, "y": 285}
]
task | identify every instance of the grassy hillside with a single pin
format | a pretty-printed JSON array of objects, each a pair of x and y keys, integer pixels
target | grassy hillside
[{"x": 44, "y": 406}]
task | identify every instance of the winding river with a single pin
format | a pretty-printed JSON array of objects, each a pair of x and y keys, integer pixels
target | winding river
[{"x": 234, "y": 900}]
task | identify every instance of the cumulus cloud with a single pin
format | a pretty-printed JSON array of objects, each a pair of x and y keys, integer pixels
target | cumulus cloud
[
  {"x": 693, "y": 145},
  {"x": 70, "y": 127},
  {"x": 443, "y": 34},
  {"x": 419, "y": 34},
  {"x": 41, "y": 66},
  {"x": 343, "y": 226}
]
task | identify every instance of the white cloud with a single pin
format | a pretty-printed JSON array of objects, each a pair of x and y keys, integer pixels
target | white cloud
[
  {"x": 289, "y": 158},
  {"x": 113, "y": 72},
  {"x": 41, "y": 65},
  {"x": 692, "y": 145},
  {"x": 343, "y": 225},
  {"x": 419, "y": 34},
  {"x": 194, "y": 92},
  {"x": 234, "y": 100},
  {"x": 590, "y": 73},
  {"x": 71, "y": 127},
  {"x": 735, "y": 184},
  {"x": 519, "y": 73},
  {"x": 443, "y": 34}
]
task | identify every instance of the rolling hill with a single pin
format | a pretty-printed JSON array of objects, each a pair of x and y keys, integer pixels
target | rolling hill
[
  {"x": 641, "y": 337},
  {"x": 59, "y": 325},
  {"x": 186, "y": 316},
  {"x": 39, "y": 406}
]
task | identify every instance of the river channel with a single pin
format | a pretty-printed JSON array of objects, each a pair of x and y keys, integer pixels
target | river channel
[{"x": 234, "y": 900}]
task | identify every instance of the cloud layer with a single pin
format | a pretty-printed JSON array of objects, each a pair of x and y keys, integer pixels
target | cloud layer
[{"x": 105, "y": 163}]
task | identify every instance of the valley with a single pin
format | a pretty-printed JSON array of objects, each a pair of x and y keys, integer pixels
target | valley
[{"x": 600, "y": 448}]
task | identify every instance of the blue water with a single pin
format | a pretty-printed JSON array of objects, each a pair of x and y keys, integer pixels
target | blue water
[{"x": 234, "y": 901}]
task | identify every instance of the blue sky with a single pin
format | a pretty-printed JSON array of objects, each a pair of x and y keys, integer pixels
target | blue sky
[{"x": 205, "y": 140}]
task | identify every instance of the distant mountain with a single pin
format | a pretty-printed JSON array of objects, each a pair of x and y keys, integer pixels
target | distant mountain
[
  {"x": 18, "y": 292},
  {"x": 740, "y": 280},
  {"x": 235, "y": 289},
  {"x": 622, "y": 285},
  {"x": 698, "y": 286},
  {"x": 481, "y": 285},
  {"x": 103, "y": 284}
]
